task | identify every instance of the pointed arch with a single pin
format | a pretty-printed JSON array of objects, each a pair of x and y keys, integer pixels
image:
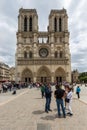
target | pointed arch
[
  {"x": 60, "y": 75},
  {"x": 27, "y": 75},
  {"x": 43, "y": 74}
]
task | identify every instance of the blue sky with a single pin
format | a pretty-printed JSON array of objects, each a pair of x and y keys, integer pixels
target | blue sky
[{"x": 77, "y": 13}]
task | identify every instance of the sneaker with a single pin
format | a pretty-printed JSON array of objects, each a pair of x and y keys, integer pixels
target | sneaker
[
  {"x": 71, "y": 114},
  {"x": 49, "y": 110},
  {"x": 46, "y": 111},
  {"x": 64, "y": 116},
  {"x": 68, "y": 113}
]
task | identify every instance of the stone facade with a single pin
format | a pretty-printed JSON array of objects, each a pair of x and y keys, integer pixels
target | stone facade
[
  {"x": 43, "y": 56},
  {"x": 75, "y": 76},
  {"x": 4, "y": 72},
  {"x": 12, "y": 73}
]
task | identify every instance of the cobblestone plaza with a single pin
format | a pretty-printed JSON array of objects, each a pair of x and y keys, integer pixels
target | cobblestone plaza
[{"x": 25, "y": 111}]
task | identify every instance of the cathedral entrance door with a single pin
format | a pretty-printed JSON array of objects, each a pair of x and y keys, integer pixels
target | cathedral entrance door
[
  {"x": 60, "y": 75},
  {"x": 59, "y": 79},
  {"x": 43, "y": 79},
  {"x": 26, "y": 76},
  {"x": 43, "y": 75},
  {"x": 27, "y": 79}
]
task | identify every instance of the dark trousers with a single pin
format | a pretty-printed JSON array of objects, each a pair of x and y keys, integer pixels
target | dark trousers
[
  {"x": 47, "y": 105},
  {"x": 42, "y": 94},
  {"x": 78, "y": 95}
]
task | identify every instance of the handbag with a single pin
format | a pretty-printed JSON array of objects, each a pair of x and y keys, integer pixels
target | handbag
[{"x": 67, "y": 100}]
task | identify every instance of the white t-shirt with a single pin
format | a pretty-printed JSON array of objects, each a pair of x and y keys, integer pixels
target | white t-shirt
[{"x": 69, "y": 95}]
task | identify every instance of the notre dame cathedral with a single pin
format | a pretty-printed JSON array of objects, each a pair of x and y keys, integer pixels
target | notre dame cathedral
[{"x": 42, "y": 56}]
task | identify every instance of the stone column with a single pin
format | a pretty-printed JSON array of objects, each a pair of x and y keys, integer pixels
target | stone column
[
  {"x": 52, "y": 76},
  {"x": 52, "y": 79},
  {"x": 34, "y": 77},
  {"x": 22, "y": 23},
  {"x": 19, "y": 23},
  {"x": 35, "y": 38},
  {"x": 66, "y": 23},
  {"x": 35, "y": 23},
  {"x": 68, "y": 72},
  {"x": 52, "y": 38},
  {"x": 52, "y": 21},
  {"x": 57, "y": 24},
  {"x": 62, "y": 23},
  {"x": 52, "y": 50},
  {"x": 28, "y": 24}
]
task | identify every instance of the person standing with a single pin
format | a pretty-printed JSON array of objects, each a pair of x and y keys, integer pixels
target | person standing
[
  {"x": 78, "y": 91},
  {"x": 42, "y": 89},
  {"x": 59, "y": 94},
  {"x": 48, "y": 94},
  {"x": 68, "y": 100}
]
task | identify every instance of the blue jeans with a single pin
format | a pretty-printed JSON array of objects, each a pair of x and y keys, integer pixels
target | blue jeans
[
  {"x": 60, "y": 103},
  {"x": 47, "y": 105}
]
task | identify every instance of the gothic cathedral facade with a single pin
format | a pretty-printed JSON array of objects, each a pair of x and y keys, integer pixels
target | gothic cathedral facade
[{"x": 42, "y": 56}]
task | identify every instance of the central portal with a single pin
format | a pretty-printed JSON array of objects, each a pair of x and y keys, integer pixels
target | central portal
[
  {"x": 43, "y": 75},
  {"x": 59, "y": 79},
  {"x": 43, "y": 79}
]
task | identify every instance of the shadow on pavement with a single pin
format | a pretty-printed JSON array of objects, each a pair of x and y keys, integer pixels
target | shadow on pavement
[
  {"x": 48, "y": 117},
  {"x": 38, "y": 112},
  {"x": 55, "y": 110},
  {"x": 38, "y": 98}
]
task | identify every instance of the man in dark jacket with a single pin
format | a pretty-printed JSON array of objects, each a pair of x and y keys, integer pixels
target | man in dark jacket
[
  {"x": 59, "y": 94},
  {"x": 48, "y": 94}
]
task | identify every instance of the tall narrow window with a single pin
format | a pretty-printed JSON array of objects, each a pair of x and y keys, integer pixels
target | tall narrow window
[
  {"x": 61, "y": 54},
  {"x": 30, "y": 24},
  {"x": 25, "y": 24},
  {"x": 60, "y": 25},
  {"x": 55, "y": 24},
  {"x": 25, "y": 54},
  {"x": 56, "y": 54},
  {"x": 30, "y": 54}
]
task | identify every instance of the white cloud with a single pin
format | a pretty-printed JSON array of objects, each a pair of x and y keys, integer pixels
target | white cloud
[{"x": 77, "y": 26}]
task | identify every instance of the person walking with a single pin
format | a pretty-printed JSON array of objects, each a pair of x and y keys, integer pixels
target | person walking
[
  {"x": 59, "y": 94},
  {"x": 14, "y": 89},
  {"x": 78, "y": 91},
  {"x": 48, "y": 95}
]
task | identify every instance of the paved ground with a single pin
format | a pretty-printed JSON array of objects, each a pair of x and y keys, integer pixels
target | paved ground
[{"x": 25, "y": 111}]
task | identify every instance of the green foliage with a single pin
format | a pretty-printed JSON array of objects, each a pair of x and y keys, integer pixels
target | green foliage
[{"x": 83, "y": 77}]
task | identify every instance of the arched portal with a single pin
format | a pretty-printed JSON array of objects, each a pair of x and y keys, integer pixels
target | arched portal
[
  {"x": 43, "y": 74},
  {"x": 60, "y": 75},
  {"x": 27, "y": 75}
]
